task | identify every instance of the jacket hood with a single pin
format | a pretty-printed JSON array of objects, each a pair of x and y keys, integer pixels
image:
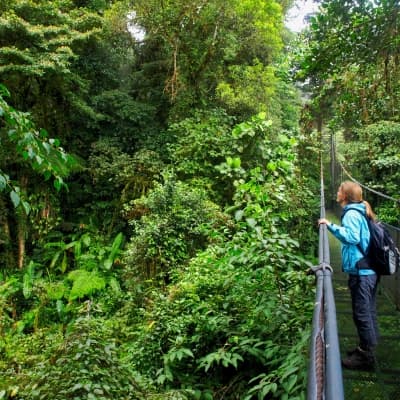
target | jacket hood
[{"x": 358, "y": 206}]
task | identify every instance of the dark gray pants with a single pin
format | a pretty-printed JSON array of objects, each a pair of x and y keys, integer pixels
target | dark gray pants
[{"x": 363, "y": 298}]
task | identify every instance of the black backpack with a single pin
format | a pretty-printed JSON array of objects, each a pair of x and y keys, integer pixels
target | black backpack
[{"x": 382, "y": 255}]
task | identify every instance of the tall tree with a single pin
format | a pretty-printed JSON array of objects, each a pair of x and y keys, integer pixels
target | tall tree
[
  {"x": 353, "y": 59},
  {"x": 203, "y": 52},
  {"x": 25, "y": 148},
  {"x": 39, "y": 43}
]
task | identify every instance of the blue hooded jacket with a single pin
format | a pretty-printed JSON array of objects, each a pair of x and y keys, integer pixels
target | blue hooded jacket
[{"x": 353, "y": 231}]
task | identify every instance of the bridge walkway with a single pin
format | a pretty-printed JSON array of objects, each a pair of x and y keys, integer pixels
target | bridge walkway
[{"x": 384, "y": 383}]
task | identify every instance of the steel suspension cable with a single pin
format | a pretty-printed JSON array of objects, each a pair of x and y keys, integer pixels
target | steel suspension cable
[{"x": 366, "y": 187}]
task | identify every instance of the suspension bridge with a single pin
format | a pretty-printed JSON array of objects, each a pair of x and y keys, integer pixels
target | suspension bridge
[{"x": 333, "y": 329}]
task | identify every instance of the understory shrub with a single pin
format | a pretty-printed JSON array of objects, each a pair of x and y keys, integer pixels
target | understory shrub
[
  {"x": 170, "y": 225},
  {"x": 84, "y": 365}
]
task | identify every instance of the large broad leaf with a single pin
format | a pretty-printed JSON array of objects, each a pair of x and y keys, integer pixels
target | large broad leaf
[
  {"x": 115, "y": 249},
  {"x": 15, "y": 198},
  {"x": 85, "y": 283}
]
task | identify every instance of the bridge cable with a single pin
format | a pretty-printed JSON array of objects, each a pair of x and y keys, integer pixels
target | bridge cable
[{"x": 366, "y": 187}]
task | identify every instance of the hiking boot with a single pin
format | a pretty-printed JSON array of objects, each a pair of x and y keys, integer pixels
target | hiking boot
[
  {"x": 360, "y": 359},
  {"x": 351, "y": 351}
]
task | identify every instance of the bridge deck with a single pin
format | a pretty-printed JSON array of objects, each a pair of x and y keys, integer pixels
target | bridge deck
[{"x": 384, "y": 383}]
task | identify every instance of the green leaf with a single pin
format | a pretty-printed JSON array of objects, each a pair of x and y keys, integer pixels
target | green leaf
[
  {"x": 12, "y": 132},
  {"x": 58, "y": 183},
  {"x": 39, "y": 159},
  {"x": 26, "y": 207},
  {"x": 43, "y": 133},
  {"x": 3, "y": 182},
  {"x": 54, "y": 260},
  {"x": 114, "y": 285},
  {"x": 77, "y": 386},
  {"x": 46, "y": 147},
  {"x": 15, "y": 198},
  {"x": 265, "y": 390},
  {"x": 239, "y": 214},
  {"x": 108, "y": 264},
  {"x": 208, "y": 396},
  {"x": 86, "y": 240},
  {"x": 54, "y": 142},
  {"x": 64, "y": 263},
  {"x": 236, "y": 162},
  {"x": 56, "y": 291},
  {"x": 85, "y": 283},
  {"x": 251, "y": 222},
  {"x": 188, "y": 352},
  {"x": 290, "y": 383}
]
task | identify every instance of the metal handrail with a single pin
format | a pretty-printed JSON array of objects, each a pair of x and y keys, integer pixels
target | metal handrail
[{"x": 325, "y": 380}]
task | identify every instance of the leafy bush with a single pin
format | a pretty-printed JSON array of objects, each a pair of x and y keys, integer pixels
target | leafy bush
[
  {"x": 53, "y": 289},
  {"x": 85, "y": 365},
  {"x": 171, "y": 226},
  {"x": 197, "y": 145}
]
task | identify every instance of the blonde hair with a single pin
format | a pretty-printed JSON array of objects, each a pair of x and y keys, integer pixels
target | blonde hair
[{"x": 353, "y": 194}]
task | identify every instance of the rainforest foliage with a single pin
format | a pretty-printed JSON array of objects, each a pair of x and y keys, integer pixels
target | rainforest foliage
[
  {"x": 159, "y": 188},
  {"x": 351, "y": 63}
]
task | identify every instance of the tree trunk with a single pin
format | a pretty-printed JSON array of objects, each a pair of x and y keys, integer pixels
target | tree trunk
[
  {"x": 9, "y": 256},
  {"x": 22, "y": 226},
  {"x": 21, "y": 241},
  {"x": 6, "y": 241}
]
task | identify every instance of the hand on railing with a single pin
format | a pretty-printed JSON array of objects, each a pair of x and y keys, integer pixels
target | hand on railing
[{"x": 323, "y": 221}]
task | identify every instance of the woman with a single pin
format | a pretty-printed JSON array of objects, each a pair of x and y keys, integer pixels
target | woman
[{"x": 354, "y": 237}]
